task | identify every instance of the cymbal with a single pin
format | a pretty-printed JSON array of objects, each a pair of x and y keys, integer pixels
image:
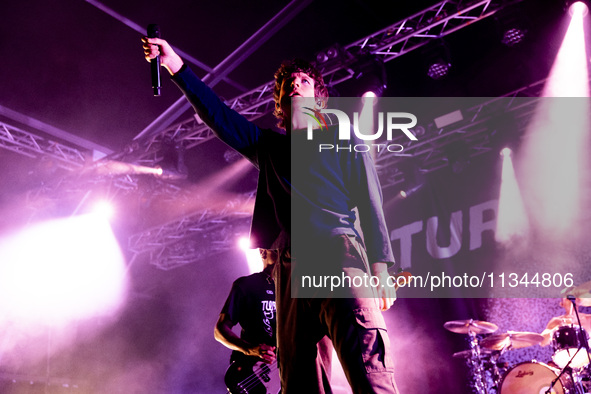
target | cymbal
[
  {"x": 511, "y": 339},
  {"x": 582, "y": 292},
  {"x": 470, "y": 326}
]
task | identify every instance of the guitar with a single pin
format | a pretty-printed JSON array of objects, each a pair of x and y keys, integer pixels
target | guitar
[{"x": 252, "y": 376}]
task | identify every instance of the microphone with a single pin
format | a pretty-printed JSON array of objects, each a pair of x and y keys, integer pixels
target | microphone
[
  {"x": 154, "y": 32},
  {"x": 571, "y": 298}
]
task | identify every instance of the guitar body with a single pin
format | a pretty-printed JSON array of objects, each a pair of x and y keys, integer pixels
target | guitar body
[{"x": 252, "y": 376}]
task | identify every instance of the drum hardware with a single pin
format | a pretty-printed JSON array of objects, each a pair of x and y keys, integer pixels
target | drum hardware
[
  {"x": 475, "y": 355},
  {"x": 512, "y": 340},
  {"x": 470, "y": 326}
]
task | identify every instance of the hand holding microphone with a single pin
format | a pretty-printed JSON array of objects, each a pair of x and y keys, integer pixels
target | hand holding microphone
[
  {"x": 157, "y": 48},
  {"x": 154, "y": 32}
]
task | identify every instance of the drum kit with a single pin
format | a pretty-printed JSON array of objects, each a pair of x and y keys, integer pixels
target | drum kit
[{"x": 569, "y": 372}]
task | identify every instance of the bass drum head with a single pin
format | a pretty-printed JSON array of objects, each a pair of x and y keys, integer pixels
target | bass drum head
[{"x": 530, "y": 378}]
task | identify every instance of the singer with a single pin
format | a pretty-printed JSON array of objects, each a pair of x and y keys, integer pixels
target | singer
[{"x": 334, "y": 185}]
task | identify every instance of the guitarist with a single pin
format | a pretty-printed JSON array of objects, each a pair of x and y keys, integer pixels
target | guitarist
[{"x": 251, "y": 303}]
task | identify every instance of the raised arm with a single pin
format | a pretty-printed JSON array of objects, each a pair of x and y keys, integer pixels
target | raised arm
[{"x": 228, "y": 125}]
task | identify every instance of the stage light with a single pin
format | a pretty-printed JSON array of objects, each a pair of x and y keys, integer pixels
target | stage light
[
  {"x": 569, "y": 75},
  {"x": 370, "y": 76},
  {"x": 513, "y": 36},
  {"x": 366, "y": 116},
  {"x": 409, "y": 192},
  {"x": 512, "y": 24},
  {"x": 330, "y": 56},
  {"x": 438, "y": 70},
  {"x": 578, "y": 9},
  {"x": 437, "y": 59},
  {"x": 506, "y": 152},
  {"x": 321, "y": 57}
]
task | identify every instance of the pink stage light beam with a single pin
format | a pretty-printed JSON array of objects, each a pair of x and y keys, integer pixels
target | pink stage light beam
[
  {"x": 554, "y": 154},
  {"x": 512, "y": 220}
]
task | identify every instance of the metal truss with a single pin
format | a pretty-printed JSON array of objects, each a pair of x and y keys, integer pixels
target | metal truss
[
  {"x": 396, "y": 40},
  {"x": 31, "y": 145},
  {"x": 194, "y": 237},
  {"x": 387, "y": 44},
  {"x": 474, "y": 131},
  {"x": 434, "y": 22}
]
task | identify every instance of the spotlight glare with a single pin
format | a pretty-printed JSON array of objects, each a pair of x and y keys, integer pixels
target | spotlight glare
[
  {"x": 369, "y": 98},
  {"x": 579, "y": 9},
  {"x": 506, "y": 152},
  {"x": 253, "y": 260},
  {"x": 74, "y": 271},
  {"x": 104, "y": 209},
  {"x": 244, "y": 243}
]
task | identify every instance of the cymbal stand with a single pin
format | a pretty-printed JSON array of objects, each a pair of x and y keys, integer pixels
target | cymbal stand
[
  {"x": 582, "y": 338},
  {"x": 496, "y": 374},
  {"x": 475, "y": 365}
]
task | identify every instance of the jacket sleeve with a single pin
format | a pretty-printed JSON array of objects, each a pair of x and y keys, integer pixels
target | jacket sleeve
[
  {"x": 228, "y": 125},
  {"x": 368, "y": 199}
]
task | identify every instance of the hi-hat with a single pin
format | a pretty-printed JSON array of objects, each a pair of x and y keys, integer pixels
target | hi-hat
[
  {"x": 470, "y": 327},
  {"x": 511, "y": 339}
]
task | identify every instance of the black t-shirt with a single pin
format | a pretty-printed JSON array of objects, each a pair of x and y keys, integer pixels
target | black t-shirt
[{"x": 251, "y": 304}]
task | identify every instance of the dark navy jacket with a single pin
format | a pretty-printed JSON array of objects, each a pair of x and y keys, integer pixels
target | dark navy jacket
[{"x": 326, "y": 185}]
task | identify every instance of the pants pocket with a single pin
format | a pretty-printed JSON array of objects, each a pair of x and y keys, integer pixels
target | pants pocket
[{"x": 374, "y": 341}]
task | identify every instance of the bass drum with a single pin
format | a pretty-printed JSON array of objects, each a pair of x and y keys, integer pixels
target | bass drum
[{"x": 533, "y": 377}]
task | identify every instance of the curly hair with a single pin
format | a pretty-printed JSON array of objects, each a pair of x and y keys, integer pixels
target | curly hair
[{"x": 286, "y": 69}]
